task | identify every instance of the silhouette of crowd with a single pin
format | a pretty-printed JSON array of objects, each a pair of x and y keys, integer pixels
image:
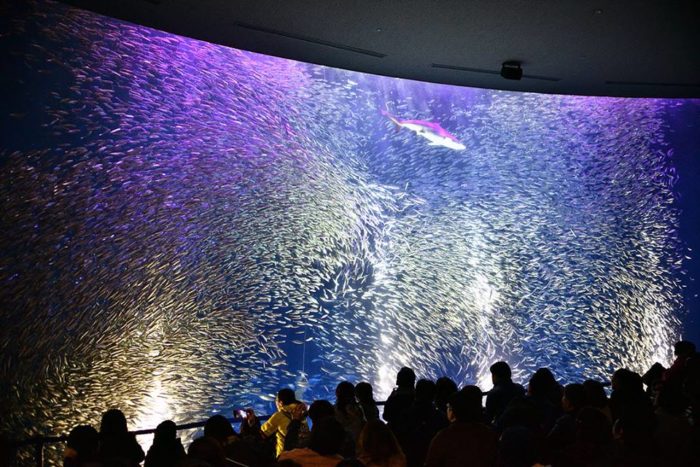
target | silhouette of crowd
[{"x": 648, "y": 420}]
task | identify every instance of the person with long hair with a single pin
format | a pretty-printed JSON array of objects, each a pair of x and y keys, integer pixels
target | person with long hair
[
  {"x": 349, "y": 414},
  {"x": 116, "y": 443},
  {"x": 365, "y": 397},
  {"x": 378, "y": 447}
]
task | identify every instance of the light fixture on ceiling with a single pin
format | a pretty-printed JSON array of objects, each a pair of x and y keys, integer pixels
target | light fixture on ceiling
[{"x": 511, "y": 70}]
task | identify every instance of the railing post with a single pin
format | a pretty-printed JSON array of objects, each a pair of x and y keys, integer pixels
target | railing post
[{"x": 39, "y": 453}]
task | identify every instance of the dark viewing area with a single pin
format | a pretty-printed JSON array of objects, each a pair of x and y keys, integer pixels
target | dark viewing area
[{"x": 371, "y": 234}]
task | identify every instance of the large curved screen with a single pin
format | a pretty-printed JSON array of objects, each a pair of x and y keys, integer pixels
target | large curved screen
[{"x": 188, "y": 227}]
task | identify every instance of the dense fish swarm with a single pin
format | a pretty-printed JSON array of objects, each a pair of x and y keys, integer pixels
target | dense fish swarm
[{"x": 186, "y": 227}]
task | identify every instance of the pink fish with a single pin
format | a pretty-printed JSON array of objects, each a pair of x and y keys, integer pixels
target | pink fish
[{"x": 433, "y": 132}]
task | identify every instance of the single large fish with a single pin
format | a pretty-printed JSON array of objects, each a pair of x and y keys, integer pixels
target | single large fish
[{"x": 433, "y": 132}]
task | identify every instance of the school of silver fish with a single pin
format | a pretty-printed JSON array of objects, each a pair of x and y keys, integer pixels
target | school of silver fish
[{"x": 194, "y": 226}]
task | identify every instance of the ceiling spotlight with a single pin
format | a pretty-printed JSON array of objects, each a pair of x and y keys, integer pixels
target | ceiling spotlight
[{"x": 511, "y": 70}]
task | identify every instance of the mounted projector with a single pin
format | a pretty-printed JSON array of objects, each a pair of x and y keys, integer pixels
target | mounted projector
[{"x": 511, "y": 70}]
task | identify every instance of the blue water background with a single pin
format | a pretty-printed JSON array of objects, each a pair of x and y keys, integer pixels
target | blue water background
[{"x": 188, "y": 228}]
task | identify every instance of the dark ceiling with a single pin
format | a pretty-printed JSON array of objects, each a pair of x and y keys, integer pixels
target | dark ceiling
[{"x": 606, "y": 47}]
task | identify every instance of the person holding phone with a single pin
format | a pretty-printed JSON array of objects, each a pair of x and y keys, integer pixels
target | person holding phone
[{"x": 277, "y": 425}]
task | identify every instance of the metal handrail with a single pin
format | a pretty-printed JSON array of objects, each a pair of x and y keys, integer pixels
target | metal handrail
[{"x": 40, "y": 441}]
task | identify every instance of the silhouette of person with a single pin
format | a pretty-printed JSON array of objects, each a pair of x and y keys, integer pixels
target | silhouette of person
[
  {"x": 166, "y": 449},
  {"x": 117, "y": 445},
  {"x": 401, "y": 398},
  {"x": 503, "y": 391}
]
